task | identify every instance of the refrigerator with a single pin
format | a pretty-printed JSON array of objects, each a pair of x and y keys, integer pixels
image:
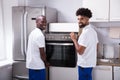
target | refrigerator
[{"x": 23, "y": 22}]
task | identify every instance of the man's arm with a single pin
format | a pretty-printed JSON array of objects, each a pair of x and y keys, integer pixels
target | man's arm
[
  {"x": 79, "y": 48},
  {"x": 43, "y": 56}
]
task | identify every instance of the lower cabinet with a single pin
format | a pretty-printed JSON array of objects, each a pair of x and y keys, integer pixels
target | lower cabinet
[
  {"x": 102, "y": 72},
  {"x": 116, "y": 72}
]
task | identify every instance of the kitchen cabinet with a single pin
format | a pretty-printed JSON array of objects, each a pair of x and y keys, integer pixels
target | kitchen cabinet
[
  {"x": 102, "y": 72},
  {"x": 103, "y": 10},
  {"x": 116, "y": 72},
  {"x": 99, "y": 8},
  {"x": 114, "y": 10}
]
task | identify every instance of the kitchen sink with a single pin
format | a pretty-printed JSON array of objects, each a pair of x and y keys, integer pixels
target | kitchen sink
[
  {"x": 109, "y": 60},
  {"x": 105, "y": 60}
]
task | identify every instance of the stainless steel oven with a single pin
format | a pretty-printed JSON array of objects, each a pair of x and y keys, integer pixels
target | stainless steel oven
[{"x": 60, "y": 50}]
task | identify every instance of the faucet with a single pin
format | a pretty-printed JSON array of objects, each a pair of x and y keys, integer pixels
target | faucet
[
  {"x": 119, "y": 50},
  {"x": 103, "y": 55}
]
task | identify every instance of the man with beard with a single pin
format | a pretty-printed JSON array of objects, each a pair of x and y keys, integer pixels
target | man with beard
[{"x": 86, "y": 46}]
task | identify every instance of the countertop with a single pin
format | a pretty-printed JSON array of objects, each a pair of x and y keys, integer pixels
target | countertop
[{"x": 110, "y": 62}]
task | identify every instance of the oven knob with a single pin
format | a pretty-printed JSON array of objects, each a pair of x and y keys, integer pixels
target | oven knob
[
  {"x": 62, "y": 37},
  {"x": 69, "y": 37},
  {"x": 65, "y": 37}
]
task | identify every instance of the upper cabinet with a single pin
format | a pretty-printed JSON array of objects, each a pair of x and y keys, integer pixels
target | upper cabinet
[
  {"x": 103, "y": 10},
  {"x": 114, "y": 10},
  {"x": 99, "y": 8}
]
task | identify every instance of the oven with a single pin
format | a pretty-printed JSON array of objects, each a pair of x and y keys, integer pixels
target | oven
[{"x": 60, "y": 50}]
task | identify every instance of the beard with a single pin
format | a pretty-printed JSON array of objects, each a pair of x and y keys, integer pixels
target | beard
[
  {"x": 42, "y": 27},
  {"x": 82, "y": 25}
]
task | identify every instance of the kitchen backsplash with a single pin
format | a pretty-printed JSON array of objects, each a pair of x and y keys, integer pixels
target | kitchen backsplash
[{"x": 109, "y": 40}]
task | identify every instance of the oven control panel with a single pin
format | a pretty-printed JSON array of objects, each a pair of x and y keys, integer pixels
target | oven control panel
[{"x": 58, "y": 37}]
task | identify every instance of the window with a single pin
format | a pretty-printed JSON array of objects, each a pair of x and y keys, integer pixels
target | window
[{"x": 2, "y": 40}]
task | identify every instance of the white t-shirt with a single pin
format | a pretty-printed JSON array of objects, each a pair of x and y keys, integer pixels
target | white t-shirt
[
  {"x": 36, "y": 40},
  {"x": 88, "y": 39}
]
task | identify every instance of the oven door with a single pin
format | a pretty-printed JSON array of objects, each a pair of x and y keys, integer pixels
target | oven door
[{"x": 61, "y": 54}]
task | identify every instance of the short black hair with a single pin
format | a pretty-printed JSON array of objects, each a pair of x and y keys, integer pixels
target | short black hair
[{"x": 84, "y": 12}]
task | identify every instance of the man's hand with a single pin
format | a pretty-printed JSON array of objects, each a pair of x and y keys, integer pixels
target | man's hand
[
  {"x": 47, "y": 64},
  {"x": 73, "y": 36}
]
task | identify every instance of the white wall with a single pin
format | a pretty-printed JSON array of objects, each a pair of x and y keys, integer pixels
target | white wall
[
  {"x": 2, "y": 42},
  {"x": 7, "y": 22},
  {"x": 66, "y": 8},
  {"x": 36, "y": 2}
]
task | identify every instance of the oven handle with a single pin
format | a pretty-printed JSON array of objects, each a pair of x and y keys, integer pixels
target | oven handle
[{"x": 66, "y": 44}]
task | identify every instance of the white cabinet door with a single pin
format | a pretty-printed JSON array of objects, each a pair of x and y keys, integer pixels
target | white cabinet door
[
  {"x": 114, "y": 10},
  {"x": 116, "y": 72},
  {"x": 99, "y": 8},
  {"x": 102, "y": 73}
]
